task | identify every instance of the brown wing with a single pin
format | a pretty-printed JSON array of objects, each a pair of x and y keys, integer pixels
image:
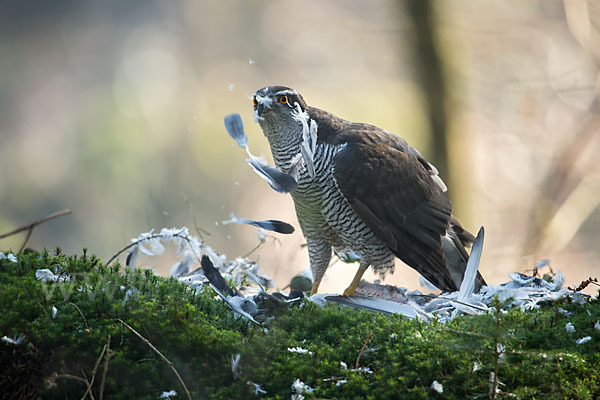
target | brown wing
[{"x": 396, "y": 196}]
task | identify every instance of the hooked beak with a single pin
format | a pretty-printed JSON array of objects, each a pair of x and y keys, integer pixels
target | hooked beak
[{"x": 260, "y": 109}]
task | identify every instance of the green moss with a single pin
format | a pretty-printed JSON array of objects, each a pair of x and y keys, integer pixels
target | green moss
[{"x": 199, "y": 334}]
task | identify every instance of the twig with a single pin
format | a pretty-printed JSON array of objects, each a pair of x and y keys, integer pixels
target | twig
[
  {"x": 254, "y": 249},
  {"x": 89, "y": 387},
  {"x": 91, "y": 383},
  {"x": 198, "y": 229},
  {"x": 494, "y": 382},
  {"x": 108, "y": 355},
  {"x": 362, "y": 350},
  {"x": 32, "y": 298},
  {"x": 130, "y": 245},
  {"x": 29, "y": 228},
  {"x": 584, "y": 284},
  {"x": 261, "y": 243},
  {"x": 69, "y": 376},
  {"x": 82, "y": 316},
  {"x": 165, "y": 359}
]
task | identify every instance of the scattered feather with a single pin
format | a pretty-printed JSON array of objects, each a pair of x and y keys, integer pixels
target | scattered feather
[
  {"x": 565, "y": 312},
  {"x": 10, "y": 257},
  {"x": 251, "y": 61},
  {"x": 231, "y": 86},
  {"x": 45, "y": 275},
  {"x": 569, "y": 327},
  {"x": 156, "y": 246},
  {"x": 467, "y": 287},
  {"x": 246, "y": 304},
  {"x": 583, "y": 340},
  {"x": 178, "y": 269},
  {"x": 385, "y": 306},
  {"x": 215, "y": 277},
  {"x": 144, "y": 250},
  {"x": 435, "y": 385},
  {"x": 235, "y": 128},
  {"x": 300, "y": 387},
  {"x": 270, "y": 225},
  {"x": 279, "y": 181},
  {"x": 522, "y": 279},
  {"x": 236, "y": 366},
  {"x": 347, "y": 256},
  {"x": 363, "y": 370},
  {"x": 426, "y": 284},
  {"x": 494, "y": 390},
  {"x": 233, "y": 306},
  {"x": 299, "y": 350},
  {"x": 257, "y": 388},
  {"x": 14, "y": 341},
  {"x": 500, "y": 350},
  {"x": 168, "y": 395},
  {"x": 132, "y": 257}
]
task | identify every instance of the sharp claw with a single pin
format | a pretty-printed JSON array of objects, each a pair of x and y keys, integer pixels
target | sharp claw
[{"x": 315, "y": 287}]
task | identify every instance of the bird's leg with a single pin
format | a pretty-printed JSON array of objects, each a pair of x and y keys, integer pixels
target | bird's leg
[
  {"x": 354, "y": 284},
  {"x": 319, "y": 253},
  {"x": 315, "y": 288}
]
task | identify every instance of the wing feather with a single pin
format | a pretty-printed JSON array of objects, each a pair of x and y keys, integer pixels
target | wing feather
[{"x": 395, "y": 194}]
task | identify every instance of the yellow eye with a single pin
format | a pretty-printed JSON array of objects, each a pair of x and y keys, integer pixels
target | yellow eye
[
  {"x": 283, "y": 99},
  {"x": 254, "y": 102}
]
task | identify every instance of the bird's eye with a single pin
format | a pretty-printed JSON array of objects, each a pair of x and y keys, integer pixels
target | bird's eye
[
  {"x": 254, "y": 102},
  {"x": 283, "y": 99}
]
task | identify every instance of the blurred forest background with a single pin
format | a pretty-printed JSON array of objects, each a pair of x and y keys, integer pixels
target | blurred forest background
[{"x": 115, "y": 110}]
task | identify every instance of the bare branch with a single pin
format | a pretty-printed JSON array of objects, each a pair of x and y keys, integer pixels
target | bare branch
[
  {"x": 29, "y": 227},
  {"x": 108, "y": 355},
  {"x": 82, "y": 316},
  {"x": 91, "y": 383},
  {"x": 362, "y": 350},
  {"x": 165, "y": 359}
]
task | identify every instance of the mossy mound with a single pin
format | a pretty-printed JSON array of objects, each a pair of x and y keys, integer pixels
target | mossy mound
[{"x": 533, "y": 353}]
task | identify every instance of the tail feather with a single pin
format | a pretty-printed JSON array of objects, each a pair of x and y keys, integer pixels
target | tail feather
[{"x": 454, "y": 244}]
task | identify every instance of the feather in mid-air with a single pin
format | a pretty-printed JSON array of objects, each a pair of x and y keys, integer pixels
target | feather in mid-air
[
  {"x": 279, "y": 181},
  {"x": 270, "y": 224},
  {"x": 361, "y": 188}
]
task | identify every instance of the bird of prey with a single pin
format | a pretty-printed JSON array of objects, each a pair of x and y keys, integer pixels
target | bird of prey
[{"x": 363, "y": 189}]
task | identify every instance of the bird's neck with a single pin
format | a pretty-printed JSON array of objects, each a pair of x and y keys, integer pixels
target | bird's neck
[{"x": 284, "y": 140}]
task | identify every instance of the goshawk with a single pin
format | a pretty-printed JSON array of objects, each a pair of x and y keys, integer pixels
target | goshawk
[{"x": 363, "y": 189}]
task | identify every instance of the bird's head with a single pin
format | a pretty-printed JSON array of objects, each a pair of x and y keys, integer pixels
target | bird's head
[{"x": 277, "y": 106}]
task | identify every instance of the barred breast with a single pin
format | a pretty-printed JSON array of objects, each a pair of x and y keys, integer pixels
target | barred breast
[{"x": 323, "y": 213}]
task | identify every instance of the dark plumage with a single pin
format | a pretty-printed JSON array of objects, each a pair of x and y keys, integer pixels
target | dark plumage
[{"x": 370, "y": 192}]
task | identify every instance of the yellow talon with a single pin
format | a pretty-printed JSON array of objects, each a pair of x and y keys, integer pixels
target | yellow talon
[
  {"x": 315, "y": 287},
  {"x": 355, "y": 281}
]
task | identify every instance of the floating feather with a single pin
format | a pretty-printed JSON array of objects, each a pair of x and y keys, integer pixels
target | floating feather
[
  {"x": 270, "y": 224},
  {"x": 279, "y": 181},
  {"x": 235, "y": 128}
]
